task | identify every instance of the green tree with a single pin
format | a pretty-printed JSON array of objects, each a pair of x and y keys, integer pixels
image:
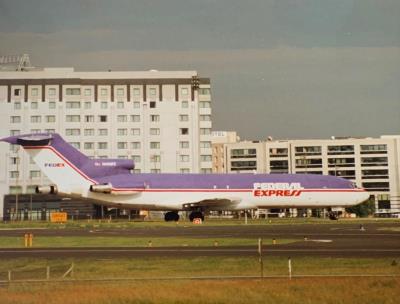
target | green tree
[{"x": 364, "y": 209}]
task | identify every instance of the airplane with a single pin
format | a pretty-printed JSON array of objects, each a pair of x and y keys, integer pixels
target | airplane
[{"x": 110, "y": 182}]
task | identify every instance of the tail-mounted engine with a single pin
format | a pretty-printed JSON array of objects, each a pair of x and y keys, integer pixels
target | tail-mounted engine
[
  {"x": 102, "y": 188},
  {"x": 52, "y": 189}
]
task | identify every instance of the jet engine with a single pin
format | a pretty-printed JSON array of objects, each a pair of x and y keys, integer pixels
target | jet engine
[
  {"x": 102, "y": 188},
  {"x": 46, "y": 189}
]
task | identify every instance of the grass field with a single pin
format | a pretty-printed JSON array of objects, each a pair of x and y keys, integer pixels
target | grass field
[
  {"x": 120, "y": 224},
  {"x": 298, "y": 290},
  {"x": 282, "y": 291},
  {"x": 85, "y": 268},
  {"x": 116, "y": 241}
]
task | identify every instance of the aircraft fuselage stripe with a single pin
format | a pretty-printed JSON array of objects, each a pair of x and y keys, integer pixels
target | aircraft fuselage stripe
[{"x": 173, "y": 190}]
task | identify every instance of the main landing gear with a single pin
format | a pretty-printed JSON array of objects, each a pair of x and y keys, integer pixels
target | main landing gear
[
  {"x": 171, "y": 216},
  {"x": 196, "y": 214}
]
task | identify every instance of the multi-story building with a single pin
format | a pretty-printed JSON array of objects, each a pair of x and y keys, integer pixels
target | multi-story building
[
  {"x": 371, "y": 163},
  {"x": 219, "y": 139},
  {"x": 159, "y": 119}
]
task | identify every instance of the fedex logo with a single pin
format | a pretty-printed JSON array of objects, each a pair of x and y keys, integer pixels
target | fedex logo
[
  {"x": 54, "y": 165},
  {"x": 277, "y": 189}
]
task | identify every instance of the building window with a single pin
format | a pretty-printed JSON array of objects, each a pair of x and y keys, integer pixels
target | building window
[
  {"x": 72, "y": 118},
  {"x": 374, "y": 161},
  {"x": 122, "y": 132},
  {"x": 204, "y": 131},
  {"x": 50, "y": 131},
  {"x": 136, "y": 159},
  {"x": 35, "y": 131},
  {"x": 135, "y": 145},
  {"x": 135, "y": 118},
  {"x": 88, "y": 145},
  {"x": 17, "y": 92},
  {"x": 309, "y": 150},
  {"x": 206, "y": 170},
  {"x": 103, "y": 118},
  {"x": 136, "y": 105},
  {"x": 120, "y": 92},
  {"x": 73, "y": 105},
  {"x": 184, "y": 144},
  {"x": 184, "y": 117},
  {"x": 34, "y": 105},
  {"x": 14, "y": 174},
  {"x": 51, "y": 92},
  {"x": 89, "y": 132},
  {"x": 34, "y": 174},
  {"x": 152, "y": 92},
  {"x": 205, "y": 117},
  {"x": 204, "y": 91},
  {"x": 204, "y": 104},
  {"x": 205, "y": 158},
  {"x": 88, "y": 105},
  {"x": 185, "y": 104},
  {"x": 52, "y": 105},
  {"x": 103, "y": 92},
  {"x": 14, "y": 160},
  {"x": 122, "y": 118},
  {"x": 15, "y": 119},
  {"x": 122, "y": 145},
  {"x": 72, "y": 132},
  {"x": 184, "y": 158},
  {"x": 154, "y": 118},
  {"x": 89, "y": 118},
  {"x": 373, "y": 149},
  {"x": 154, "y": 145},
  {"x": 36, "y": 119},
  {"x": 155, "y": 158},
  {"x": 136, "y": 92},
  {"x": 34, "y": 92},
  {"x": 15, "y": 132},
  {"x": 135, "y": 131},
  {"x": 17, "y": 106},
  {"x": 184, "y": 170},
  {"x": 205, "y": 144},
  {"x": 184, "y": 131},
  {"x": 103, "y": 132},
  {"x": 184, "y": 91},
  {"x": 73, "y": 91},
  {"x": 103, "y": 105},
  {"x": 244, "y": 153},
  {"x": 154, "y": 131},
  {"x": 50, "y": 118},
  {"x": 102, "y": 145},
  {"x": 152, "y": 104},
  {"x": 120, "y": 105},
  {"x": 88, "y": 92}
]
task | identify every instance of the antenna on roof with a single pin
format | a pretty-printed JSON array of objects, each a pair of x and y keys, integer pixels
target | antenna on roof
[{"x": 17, "y": 62}]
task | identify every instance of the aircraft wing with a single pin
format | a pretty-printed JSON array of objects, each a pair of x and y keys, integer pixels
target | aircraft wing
[{"x": 214, "y": 204}]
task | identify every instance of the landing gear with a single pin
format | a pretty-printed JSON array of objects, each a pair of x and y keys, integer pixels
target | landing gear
[
  {"x": 196, "y": 214},
  {"x": 333, "y": 216},
  {"x": 171, "y": 216}
]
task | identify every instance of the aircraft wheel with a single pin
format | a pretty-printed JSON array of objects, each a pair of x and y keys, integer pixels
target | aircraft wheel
[
  {"x": 171, "y": 216},
  {"x": 196, "y": 214}
]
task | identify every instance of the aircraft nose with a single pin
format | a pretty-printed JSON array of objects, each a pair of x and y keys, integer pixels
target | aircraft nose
[{"x": 363, "y": 196}]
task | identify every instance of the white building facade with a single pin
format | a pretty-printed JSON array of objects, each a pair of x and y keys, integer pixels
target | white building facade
[
  {"x": 371, "y": 163},
  {"x": 159, "y": 119}
]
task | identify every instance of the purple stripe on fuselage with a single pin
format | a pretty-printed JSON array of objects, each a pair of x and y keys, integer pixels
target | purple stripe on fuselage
[{"x": 222, "y": 181}]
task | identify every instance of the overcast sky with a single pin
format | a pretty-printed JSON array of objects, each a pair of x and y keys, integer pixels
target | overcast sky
[{"x": 281, "y": 68}]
